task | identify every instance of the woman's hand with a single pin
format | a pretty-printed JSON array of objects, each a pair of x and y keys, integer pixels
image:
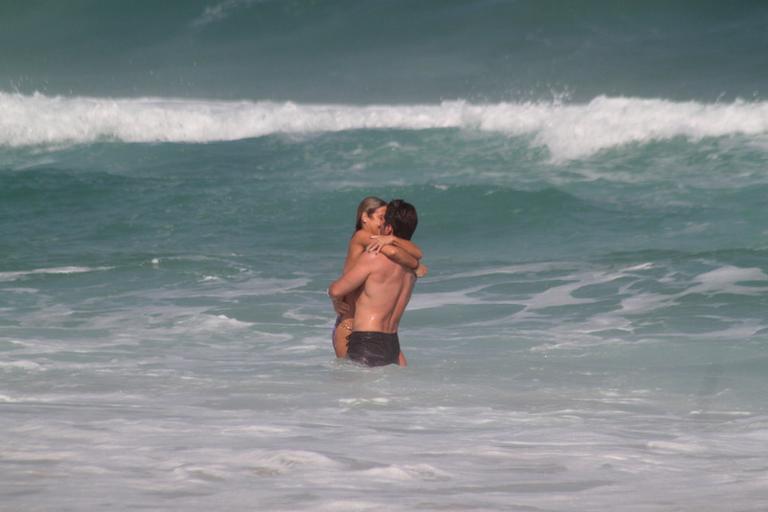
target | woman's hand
[
  {"x": 341, "y": 307},
  {"x": 379, "y": 241}
]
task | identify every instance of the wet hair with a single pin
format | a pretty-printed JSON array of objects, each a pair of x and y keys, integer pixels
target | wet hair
[
  {"x": 402, "y": 217},
  {"x": 367, "y": 206}
]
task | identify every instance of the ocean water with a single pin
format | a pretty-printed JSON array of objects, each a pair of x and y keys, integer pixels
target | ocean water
[{"x": 178, "y": 184}]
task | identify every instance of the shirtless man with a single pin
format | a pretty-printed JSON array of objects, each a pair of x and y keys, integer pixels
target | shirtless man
[{"x": 386, "y": 290}]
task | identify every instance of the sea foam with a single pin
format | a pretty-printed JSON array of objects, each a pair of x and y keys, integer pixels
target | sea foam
[
  {"x": 569, "y": 131},
  {"x": 13, "y": 276}
]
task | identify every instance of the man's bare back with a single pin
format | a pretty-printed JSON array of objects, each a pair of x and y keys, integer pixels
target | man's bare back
[
  {"x": 386, "y": 290},
  {"x": 384, "y": 297}
]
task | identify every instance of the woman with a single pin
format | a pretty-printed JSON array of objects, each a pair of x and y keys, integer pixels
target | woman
[{"x": 370, "y": 221}]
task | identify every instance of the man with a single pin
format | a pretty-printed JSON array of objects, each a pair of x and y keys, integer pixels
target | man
[{"x": 386, "y": 290}]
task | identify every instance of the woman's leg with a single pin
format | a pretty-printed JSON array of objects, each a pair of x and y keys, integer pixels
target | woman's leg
[{"x": 340, "y": 334}]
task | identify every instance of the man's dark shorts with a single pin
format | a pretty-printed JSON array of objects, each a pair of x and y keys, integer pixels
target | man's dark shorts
[{"x": 373, "y": 348}]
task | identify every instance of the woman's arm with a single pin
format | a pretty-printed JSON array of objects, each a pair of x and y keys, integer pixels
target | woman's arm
[
  {"x": 356, "y": 247},
  {"x": 400, "y": 251},
  {"x": 380, "y": 241},
  {"x": 400, "y": 256}
]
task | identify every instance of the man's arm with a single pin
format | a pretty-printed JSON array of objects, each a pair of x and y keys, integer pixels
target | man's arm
[{"x": 354, "y": 278}]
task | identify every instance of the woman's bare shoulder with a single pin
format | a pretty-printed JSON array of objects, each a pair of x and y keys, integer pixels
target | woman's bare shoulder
[{"x": 361, "y": 236}]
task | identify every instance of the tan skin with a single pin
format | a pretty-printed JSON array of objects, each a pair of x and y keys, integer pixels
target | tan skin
[
  {"x": 369, "y": 239},
  {"x": 385, "y": 291}
]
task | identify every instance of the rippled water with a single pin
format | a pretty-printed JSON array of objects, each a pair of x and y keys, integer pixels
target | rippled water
[{"x": 592, "y": 332}]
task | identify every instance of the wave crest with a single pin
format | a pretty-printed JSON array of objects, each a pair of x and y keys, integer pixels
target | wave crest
[{"x": 569, "y": 131}]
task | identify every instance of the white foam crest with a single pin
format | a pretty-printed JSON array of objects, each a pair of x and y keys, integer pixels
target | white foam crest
[
  {"x": 296, "y": 314},
  {"x": 13, "y": 276},
  {"x": 256, "y": 286},
  {"x": 726, "y": 279},
  {"x": 20, "y": 290},
  {"x": 364, "y": 401},
  {"x": 20, "y": 365},
  {"x": 556, "y": 296},
  {"x": 525, "y": 268},
  {"x": 408, "y": 472},
  {"x": 283, "y": 461},
  {"x": 645, "y": 302},
  {"x": 202, "y": 472},
  {"x": 212, "y": 323},
  {"x": 562, "y": 295},
  {"x": 569, "y": 131},
  {"x": 257, "y": 430},
  {"x": 678, "y": 447},
  {"x": 440, "y": 299}
]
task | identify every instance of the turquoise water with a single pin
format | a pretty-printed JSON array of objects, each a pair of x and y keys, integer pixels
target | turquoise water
[{"x": 175, "y": 200}]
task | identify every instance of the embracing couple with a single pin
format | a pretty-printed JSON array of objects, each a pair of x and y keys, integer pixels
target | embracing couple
[{"x": 379, "y": 274}]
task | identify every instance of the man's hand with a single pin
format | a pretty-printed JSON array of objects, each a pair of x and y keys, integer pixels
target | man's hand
[
  {"x": 421, "y": 270},
  {"x": 379, "y": 241}
]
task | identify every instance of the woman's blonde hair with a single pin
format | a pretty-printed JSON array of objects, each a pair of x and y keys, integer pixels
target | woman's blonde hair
[{"x": 368, "y": 205}]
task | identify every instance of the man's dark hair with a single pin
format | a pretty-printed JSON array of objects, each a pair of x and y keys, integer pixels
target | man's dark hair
[{"x": 402, "y": 217}]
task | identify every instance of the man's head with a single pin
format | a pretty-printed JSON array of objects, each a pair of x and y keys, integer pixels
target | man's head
[{"x": 401, "y": 219}]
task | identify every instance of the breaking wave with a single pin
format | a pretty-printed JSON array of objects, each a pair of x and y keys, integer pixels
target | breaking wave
[{"x": 568, "y": 131}]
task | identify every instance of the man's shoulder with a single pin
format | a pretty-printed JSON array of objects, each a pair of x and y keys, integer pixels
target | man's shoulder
[
  {"x": 382, "y": 264},
  {"x": 372, "y": 258},
  {"x": 368, "y": 260},
  {"x": 374, "y": 261}
]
